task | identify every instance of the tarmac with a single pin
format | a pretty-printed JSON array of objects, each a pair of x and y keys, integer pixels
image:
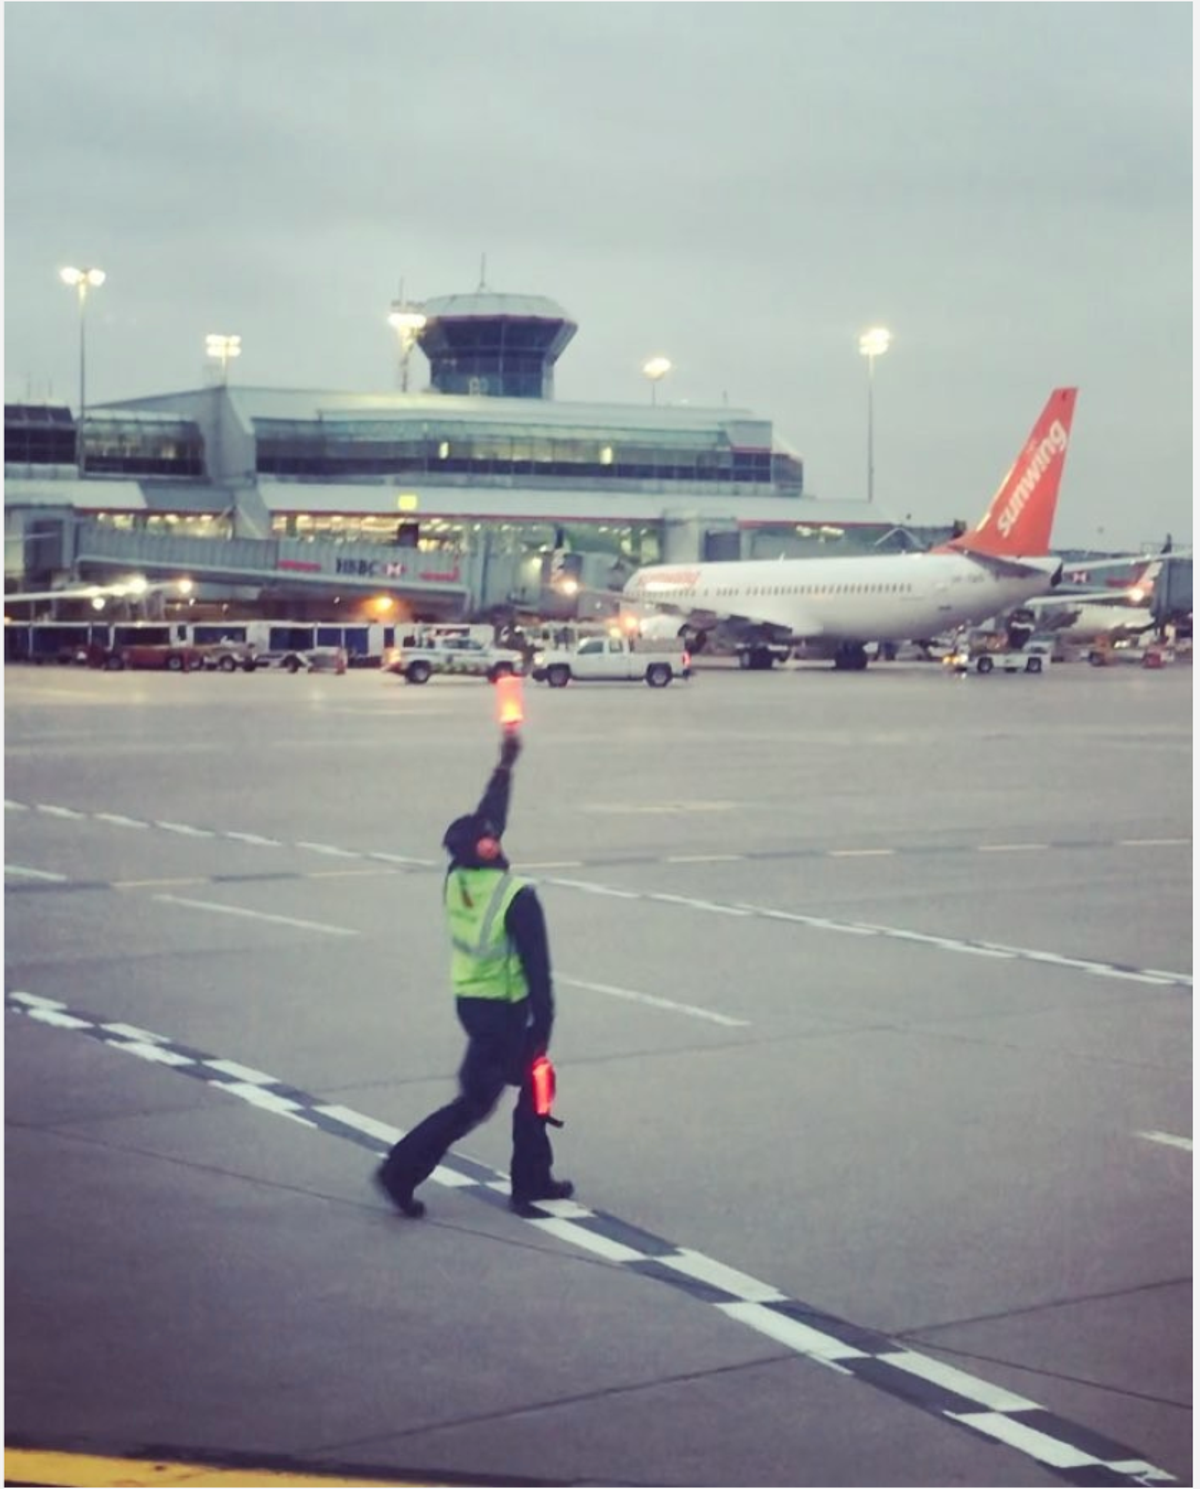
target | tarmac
[{"x": 873, "y": 1049}]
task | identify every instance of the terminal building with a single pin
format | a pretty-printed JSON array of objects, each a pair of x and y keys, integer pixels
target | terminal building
[{"x": 474, "y": 498}]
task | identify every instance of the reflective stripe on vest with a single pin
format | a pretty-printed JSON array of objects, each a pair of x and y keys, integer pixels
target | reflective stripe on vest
[{"x": 483, "y": 960}]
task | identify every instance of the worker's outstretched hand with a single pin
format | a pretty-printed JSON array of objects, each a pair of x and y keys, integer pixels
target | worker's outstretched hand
[{"x": 510, "y": 748}]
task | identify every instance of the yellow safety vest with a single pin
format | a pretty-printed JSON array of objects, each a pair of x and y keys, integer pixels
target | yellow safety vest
[{"x": 483, "y": 960}]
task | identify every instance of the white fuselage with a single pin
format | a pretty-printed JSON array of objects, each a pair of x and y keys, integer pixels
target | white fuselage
[
  {"x": 1093, "y": 619},
  {"x": 877, "y": 597}
]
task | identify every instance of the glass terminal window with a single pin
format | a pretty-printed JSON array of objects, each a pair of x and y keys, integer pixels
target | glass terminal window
[{"x": 328, "y": 449}]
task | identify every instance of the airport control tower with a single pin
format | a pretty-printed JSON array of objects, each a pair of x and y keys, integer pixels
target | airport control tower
[{"x": 492, "y": 345}]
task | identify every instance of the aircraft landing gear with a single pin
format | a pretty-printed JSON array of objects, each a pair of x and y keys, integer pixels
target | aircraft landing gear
[{"x": 850, "y": 657}]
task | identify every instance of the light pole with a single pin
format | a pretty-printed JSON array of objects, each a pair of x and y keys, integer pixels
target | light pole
[
  {"x": 872, "y": 344},
  {"x": 221, "y": 349},
  {"x": 82, "y": 280},
  {"x": 408, "y": 322},
  {"x": 655, "y": 369}
]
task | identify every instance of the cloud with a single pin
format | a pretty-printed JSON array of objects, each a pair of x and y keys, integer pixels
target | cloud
[{"x": 742, "y": 187}]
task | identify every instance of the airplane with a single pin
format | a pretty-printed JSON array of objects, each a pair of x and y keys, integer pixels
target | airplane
[
  {"x": 836, "y": 606},
  {"x": 1083, "y": 615}
]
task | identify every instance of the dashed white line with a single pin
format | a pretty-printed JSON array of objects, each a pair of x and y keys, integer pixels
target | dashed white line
[
  {"x": 1034, "y": 1444},
  {"x": 118, "y": 820},
  {"x": 1012, "y": 847},
  {"x": 601, "y": 889},
  {"x": 652, "y": 1002},
  {"x": 1168, "y": 1139},
  {"x": 791, "y": 1332},
  {"x": 186, "y": 830},
  {"x": 18, "y": 871},
  {"x": 304, "y": 925}
]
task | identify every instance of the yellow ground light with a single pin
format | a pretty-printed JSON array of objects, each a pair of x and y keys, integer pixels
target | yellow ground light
[{"x": 88, "y": 1471}]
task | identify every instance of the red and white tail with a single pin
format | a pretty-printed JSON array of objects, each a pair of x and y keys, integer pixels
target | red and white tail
[{"x": 1019, "y": 520}]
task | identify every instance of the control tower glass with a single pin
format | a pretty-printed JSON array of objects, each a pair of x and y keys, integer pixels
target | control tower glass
[{"x": 497, "y": 346}]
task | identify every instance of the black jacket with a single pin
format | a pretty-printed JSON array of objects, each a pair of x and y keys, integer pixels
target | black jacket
[{"x": 525, "y": 922}]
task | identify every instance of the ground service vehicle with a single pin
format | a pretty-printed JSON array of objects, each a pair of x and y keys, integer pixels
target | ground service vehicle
[
  {"x": 613, "y": 659},
  {"x": 150, "y": 656},
  {"x": 1107, "y": 652},
  {"x": 973, "y": 656},
  {"x": 463, "y": 655}
]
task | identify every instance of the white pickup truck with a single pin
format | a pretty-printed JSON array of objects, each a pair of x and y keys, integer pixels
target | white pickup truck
[
  {"x": 613, "y": 659},
  {"x": 461, "y": 655}
]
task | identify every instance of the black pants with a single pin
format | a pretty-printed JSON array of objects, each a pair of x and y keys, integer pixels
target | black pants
[{"x": 499, "y": 1053}]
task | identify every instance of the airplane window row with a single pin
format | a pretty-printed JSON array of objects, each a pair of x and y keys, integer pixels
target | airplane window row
[{"x": 792, "y": 589}]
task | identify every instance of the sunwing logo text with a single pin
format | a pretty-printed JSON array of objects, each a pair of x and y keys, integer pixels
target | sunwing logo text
[{"x": 1054, "y": 444}]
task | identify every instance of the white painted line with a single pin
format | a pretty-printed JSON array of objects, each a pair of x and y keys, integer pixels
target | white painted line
[
  {"x": 451, "y": 1178},
  {"x": 384, "y": 1131},
  {"x": 709, "y": 905},
  {"x": 817, "y": 922},
  {"x": 330, "y": 849},
  {"x": 961, "y": 1384},
  {"x": 14, "y": 806},
  {"x": 36, "y": 1001},
  {"x": 991, "y": 949},
  {"x": 49, "y": 811},
  {"x": 281, "y": 1106},
  {"x": 1011, "y": 847},
  {"x": 790, "y": 1332},
  {"x": 156, "y": 1054},
  {"x": 59, "y": 1019},
  {"x": 729, "y": 1279},
  {"x": 652, "y": 1002},
  {"x": 1154, "y": 842},
  {"x": 421, "y": 863},
  {"x": 861, "y": 852},
  {"x": 131, "y": 1031},
  {"x": 304, "y": 925},
  {"x": 555, "y": 863},
  {"x": 616, "y": 894},
  {"x": 576, "y": 1235},
  {"x": 1138, "y": 1469},
  {"x": 118, "y": 820},
  {"x": 253, "y": 837},
  {"x": 1169, "y": 1139},
  {"x": 240, "y": 1072},
  {"x": 186, "y": 830},
  {"x": 1025, "y": 1439},
  {"x": 18, "y": 871}
]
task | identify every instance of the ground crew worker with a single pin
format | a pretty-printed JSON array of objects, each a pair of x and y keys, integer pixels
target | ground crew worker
[{"x": 500, "y": 968}]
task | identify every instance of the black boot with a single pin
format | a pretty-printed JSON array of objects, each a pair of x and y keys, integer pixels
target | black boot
[
  {"x": 401, "y": 1198},
  {"x": 523, "y": 1200}
]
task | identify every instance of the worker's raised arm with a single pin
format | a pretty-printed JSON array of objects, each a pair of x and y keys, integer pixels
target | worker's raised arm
[{"x": 493, "y": 805}]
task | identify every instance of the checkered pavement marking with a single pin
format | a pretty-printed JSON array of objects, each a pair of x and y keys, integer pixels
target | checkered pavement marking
[{"x": 1072, "y": 1452}]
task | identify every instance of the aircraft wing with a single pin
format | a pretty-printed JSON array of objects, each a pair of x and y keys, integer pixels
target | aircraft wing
[
  {"x": 1015, "y": 568},
  {"x": 26, "y": 596}
]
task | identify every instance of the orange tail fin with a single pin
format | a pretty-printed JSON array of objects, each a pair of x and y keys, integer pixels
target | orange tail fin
[{"x": 1019, "y": 520}]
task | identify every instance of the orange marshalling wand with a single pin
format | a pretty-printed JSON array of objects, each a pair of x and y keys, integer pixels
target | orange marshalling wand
[{"x": 510, "y": 704}]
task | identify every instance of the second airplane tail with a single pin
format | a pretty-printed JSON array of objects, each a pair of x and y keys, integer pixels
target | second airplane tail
[{"x": 1021, "y": 515}]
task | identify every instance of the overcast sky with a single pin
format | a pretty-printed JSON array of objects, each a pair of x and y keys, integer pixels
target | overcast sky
[{"x": 741, "y": 187}]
